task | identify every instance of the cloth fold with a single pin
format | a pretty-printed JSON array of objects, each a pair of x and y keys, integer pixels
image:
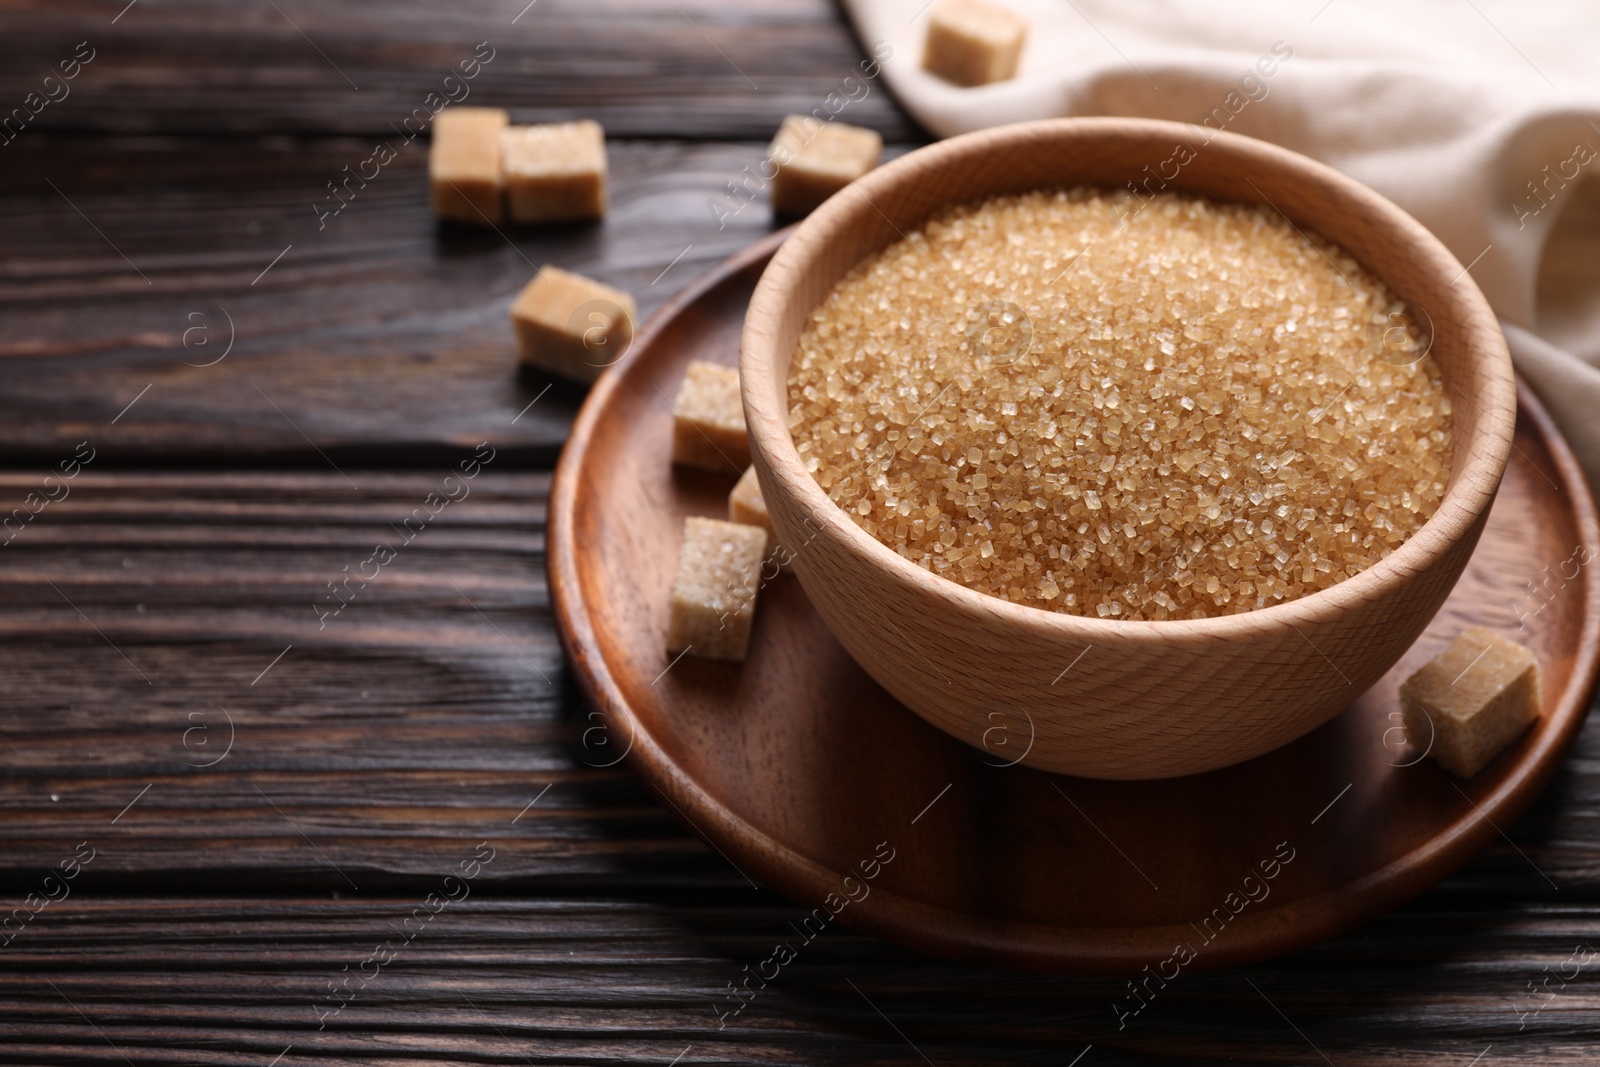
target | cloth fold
[{"x": 1480, "y": 119}]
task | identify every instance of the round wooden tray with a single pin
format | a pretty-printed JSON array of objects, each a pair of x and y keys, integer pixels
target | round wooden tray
[{"x": 807, "y": 776}]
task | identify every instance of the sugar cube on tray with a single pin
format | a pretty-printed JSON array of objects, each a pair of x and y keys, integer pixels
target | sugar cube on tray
[
  {"x": 746, "y": 506},
  {"x": 713, "y": 600},
  {"x": 708, "y": 420},
  {"x": 1472, "y": 700}
]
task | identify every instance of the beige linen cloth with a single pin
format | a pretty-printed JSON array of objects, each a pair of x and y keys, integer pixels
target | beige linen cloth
[{"x": 1479, "y": 117}]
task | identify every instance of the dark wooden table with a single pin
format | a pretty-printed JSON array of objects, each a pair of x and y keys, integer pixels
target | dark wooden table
[{"x": 265, "y": 798}]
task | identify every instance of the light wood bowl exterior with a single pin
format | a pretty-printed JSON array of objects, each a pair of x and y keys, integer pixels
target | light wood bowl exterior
[{"x": 1136, "y": 699}]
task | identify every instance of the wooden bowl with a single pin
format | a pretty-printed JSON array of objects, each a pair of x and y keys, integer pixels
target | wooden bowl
[{"x": 1108, "y": 698}]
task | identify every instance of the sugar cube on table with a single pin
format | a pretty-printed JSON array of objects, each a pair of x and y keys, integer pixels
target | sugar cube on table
[
  {"x": 572, "y": 325},
  {"x": 708, "y": 420},
  {"x": 1472, "y": 700},
  {"x": 746, "y": 506},
  {"x": 464, "y": 165},
  {"x": 973, "y": 42},
  {"x": 555, "y": 172},
  {"x": 714, "y": 592},
  {"x": 814, "y": 160}
]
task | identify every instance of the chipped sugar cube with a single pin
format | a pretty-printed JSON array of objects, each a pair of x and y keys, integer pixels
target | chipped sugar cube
[
  {"x": 464, "y": 165},
  {"x": 572, "y": 325},
  {"x": 814, "y": 160},
  {"x": 972, "y": 42},
  {"x": 1472, "y": 700},
  {"x": 714, "y": 592},
  {"x": 555, "y": 172},
  {"x": 708, "y": 420}
]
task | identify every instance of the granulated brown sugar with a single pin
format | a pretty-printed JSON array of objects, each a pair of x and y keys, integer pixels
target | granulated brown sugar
[{"x": 1198, "y": 411}]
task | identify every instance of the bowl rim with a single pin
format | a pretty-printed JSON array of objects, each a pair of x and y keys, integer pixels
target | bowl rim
[{"x": 1471, "y": 490}]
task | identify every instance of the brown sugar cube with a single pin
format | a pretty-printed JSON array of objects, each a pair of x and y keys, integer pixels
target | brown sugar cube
[
  {"x": 746, "y": 506},
  {"x": 714, "y": 592},
  {"x": 815, "y": 160},
  {"x": 708, "y": 420},
  {"x": 571, "y": 325},
  {"x": 556, "y": 172},
  {"x": 1480, "y": 694},
  {"x": 973, "y": 42},
  {"x": 464, "y": 165}
]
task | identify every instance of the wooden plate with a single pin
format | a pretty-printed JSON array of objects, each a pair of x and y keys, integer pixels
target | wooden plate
[{"x": 808, "y": 777}]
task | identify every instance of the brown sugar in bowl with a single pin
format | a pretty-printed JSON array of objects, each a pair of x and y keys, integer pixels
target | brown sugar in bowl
[{"x": 1107, "y": 698}]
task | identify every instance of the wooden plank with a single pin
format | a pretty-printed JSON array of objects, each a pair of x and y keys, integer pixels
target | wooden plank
[
  {"x": 378, "y": 726},
  {"x": 376, "y": 334},
  {"x": 577, "y": 979},
  {"x": 173, "y": 648},
  {"x": 643, "y": 68}
]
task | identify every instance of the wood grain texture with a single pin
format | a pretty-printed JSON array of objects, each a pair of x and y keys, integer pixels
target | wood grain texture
[
  {"x": 202, "y": 931},
  {"x": 381, "y": 294},
  {"x": 147, "y": 622},
  {"x": 1018, "y": 867},
  {"x": 643, "y": 68},
  {"x": 1156, "y": 699},
  {"x": 571, "y": 980}
]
